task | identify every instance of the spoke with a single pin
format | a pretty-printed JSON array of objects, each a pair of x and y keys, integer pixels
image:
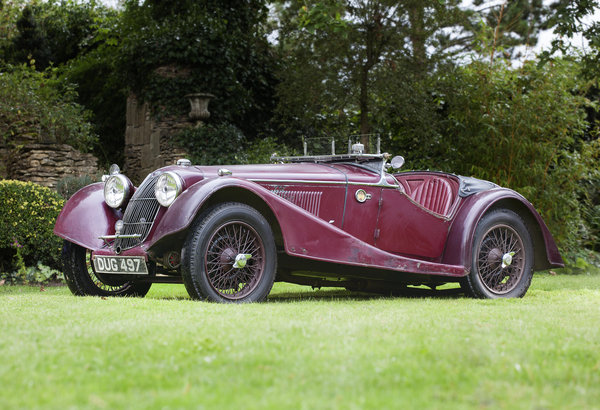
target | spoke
[
  {"x": 96, "y": 279},
  {"x": 503, "y": 239},
  {"x": 245, "y": 243},
  {"x": 239, "y": 238}
]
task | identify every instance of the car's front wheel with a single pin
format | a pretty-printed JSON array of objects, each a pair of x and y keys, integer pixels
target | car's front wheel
[
  {"x": 502, "y": 259},
  {"x": 230, "y": 255},
  {"x": 83, "y": 281}
]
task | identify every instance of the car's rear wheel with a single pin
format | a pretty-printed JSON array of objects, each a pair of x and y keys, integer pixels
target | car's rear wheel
[
  {"x": 230, "y": 255},
  {"x": 82, "y": 280},
  {"x": 502, "y": 259}
]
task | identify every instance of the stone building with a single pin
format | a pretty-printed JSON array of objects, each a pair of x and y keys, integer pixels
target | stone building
[
  {"x": 148, "y": 141},
  {"x": 149, "y": 138}
]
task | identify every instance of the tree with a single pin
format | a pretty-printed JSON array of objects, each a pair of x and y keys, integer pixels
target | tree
[
  {"x": 339, "y": 55},
  {"x": 513, "y": 24},
  {"x": 54, "y": 32},
  {"x": 37, "y": 106}
]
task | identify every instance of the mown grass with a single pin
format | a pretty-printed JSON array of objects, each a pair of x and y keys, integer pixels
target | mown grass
[{"x": 302, "y": 349}]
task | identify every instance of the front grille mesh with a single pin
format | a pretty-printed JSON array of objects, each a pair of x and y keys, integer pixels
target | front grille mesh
[{"x": 139, "y": 215}]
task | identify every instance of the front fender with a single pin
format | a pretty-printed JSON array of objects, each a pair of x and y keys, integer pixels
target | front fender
[
  {"x": 86, "y": 216},
  {"x": 459, "y": 245},
  {"x": 180, "y": 215}
]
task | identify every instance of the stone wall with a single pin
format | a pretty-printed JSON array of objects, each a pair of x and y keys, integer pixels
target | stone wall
[
  {"x": 148, "y": 141},
  {"x": 47, "y": 163}
]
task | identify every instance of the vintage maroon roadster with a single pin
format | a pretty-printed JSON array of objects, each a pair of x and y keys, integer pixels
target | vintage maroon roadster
[{"x": 347, "y": 220}]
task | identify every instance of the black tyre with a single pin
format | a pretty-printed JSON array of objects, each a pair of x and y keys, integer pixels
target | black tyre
[
  {"x": 229, "y": 255},
  {"x": 502, "y": 260},
  {"x": 83, "y": 281}
]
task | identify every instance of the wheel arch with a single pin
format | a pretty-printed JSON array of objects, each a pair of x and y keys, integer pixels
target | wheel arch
[
  {"x": 540, "y": 261},
  {"x": 205, "y": 201},
  {"x": 244, "y": 196},
  {"x": 459, "y": 245}
]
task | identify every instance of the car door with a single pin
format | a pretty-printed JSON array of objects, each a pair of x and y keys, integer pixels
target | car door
[
  {"x": 414, "y": 219},
  {"x": 362, "y": 211}
]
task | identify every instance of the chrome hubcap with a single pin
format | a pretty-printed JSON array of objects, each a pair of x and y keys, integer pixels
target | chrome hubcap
[
  {"x": 241, "y": 259},
  {"x": 507, "y": 259}
]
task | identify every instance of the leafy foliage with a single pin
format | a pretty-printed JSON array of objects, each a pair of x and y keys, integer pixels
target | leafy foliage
[
  {"x": 29, "y": 212},
  {"x": 213, "y": 144},
  {"x": 102, "y": 92},
  {"x": 54, "y": 32},
  {"x": 38, "y": 106},
  {"x": 78, "y": 38},
  {"x": 341, "y": 60},
  {"x": 67, "y": 186},
  {"x": 261, "y": 150},
  {"x": 211, "y": 46},
  {"x": 522, "y": 128},
  {"x": 32, "y": 275},
  {"x": 10, "y": 10},
  {"x": 513, "y": 24}
]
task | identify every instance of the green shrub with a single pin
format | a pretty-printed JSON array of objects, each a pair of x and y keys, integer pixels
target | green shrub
[
  {"x": 213, "y": 144},
  {"x": 38, "y": 275},
  {"x": 27, "y": 220},
  {"x": 261, "y": 150},
  {"x": 222, "y": 49},
  {"x": 67, "y": 186},
  {"x": 523, "y": 128},
  {"x": 36, "y": 105}
]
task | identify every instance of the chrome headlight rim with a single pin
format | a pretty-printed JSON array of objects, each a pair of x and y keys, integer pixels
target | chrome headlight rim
[
  {"x": 174, "y": 187},
  {"x": 124, "y": 192}
]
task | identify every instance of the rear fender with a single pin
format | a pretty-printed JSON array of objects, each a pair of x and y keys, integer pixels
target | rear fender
[
  {"x": 86, "y": 216},
  {"x": 459, "y": 245}
]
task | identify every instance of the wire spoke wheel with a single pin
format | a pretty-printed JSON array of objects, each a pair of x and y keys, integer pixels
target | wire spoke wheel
[
  {"x": 82, "y": 279},
  {"x": 230, "y": 255},
  {"x": 225, "y": 273},
  {"x": 98, "y": 281},
  {"x": 501, "y": 259}
]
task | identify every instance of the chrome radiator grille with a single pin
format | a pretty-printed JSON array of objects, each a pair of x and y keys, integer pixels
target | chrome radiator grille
[{"x": 139, "y": 215}]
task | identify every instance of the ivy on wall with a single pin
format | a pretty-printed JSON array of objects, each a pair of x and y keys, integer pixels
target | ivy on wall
[{"x": 212, "y": 46}]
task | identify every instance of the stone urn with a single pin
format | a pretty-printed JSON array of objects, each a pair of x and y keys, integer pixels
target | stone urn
[{"x": 199, "y": 106}]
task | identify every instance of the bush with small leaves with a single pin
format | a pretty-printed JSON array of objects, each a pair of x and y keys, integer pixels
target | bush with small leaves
[
  {"x": 29, "y": 212},
  {"x": 67, "y": 186},
  {"x": 213, "y": 144}
]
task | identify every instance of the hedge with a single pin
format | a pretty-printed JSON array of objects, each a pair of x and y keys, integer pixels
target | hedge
[{"x": 29, "y": 212}]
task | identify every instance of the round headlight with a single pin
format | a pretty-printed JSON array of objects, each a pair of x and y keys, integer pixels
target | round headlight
[
  {"x": 116, "y": 190},
  {"x": 167, "y": 188}
]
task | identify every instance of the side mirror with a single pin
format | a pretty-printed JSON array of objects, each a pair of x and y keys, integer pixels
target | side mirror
[{"x": 397, "y": 162}]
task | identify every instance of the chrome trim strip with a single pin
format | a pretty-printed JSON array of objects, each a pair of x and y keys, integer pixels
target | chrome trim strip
[
  {"x": 131, "y": 236},
  {"x": 385, "y": 184}
]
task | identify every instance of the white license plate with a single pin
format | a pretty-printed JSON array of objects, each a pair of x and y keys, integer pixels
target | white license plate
[{"x": 129, "y": 265}]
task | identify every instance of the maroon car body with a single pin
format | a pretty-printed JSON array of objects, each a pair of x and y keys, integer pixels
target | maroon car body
[{"x": 322, "y": 221}]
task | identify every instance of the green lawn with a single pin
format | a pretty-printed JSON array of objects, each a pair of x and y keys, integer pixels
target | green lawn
[{"x": 302, "y": 349}]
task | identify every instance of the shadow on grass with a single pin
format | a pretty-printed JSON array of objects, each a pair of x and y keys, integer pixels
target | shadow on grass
[
  {"x": 328, "y": 294},
  {"x": 345, "y": 295}
]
